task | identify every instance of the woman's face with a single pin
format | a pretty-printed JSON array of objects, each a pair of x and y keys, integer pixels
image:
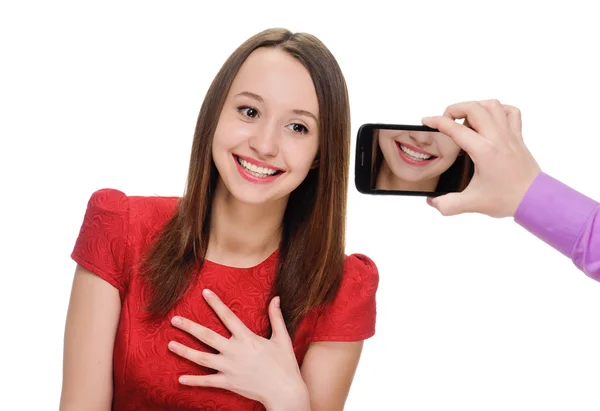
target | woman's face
[
  {"x": 416, "y": 156},
  {"x": 267, "y": 138}
]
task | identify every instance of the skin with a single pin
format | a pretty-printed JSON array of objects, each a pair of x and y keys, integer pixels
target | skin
[
  {"x": 266, "y": 369},
  {"x": 397, "y": 174},
  {"x": 264, "y": 125},
  {"x": 504, "y": 167},
  {"x": 244, "y": 231},
  {"x": 92, "y": 320}
]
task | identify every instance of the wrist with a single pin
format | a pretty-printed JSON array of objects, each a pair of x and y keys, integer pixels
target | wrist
[
  {"x": 522, "y": 190},
  {"x": 289, "y": 397}
]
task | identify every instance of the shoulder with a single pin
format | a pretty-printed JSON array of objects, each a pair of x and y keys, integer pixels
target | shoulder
[
  {"x": 106, "y": 216},
  {"x": 114, "y": 222},
  {"x": 360, "y": 263},
  {"x": 360, "y": 271},
  {"x": 359, "y": 282},
  {"x": 108, "y": 200},
  {"x": 151, "y": 211},
  {"x": 131, "y": 209},
  {"x": 351, "y": 315}
]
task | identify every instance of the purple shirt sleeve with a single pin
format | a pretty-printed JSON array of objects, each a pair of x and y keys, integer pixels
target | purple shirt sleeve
[{"x": 565, "y": 219}]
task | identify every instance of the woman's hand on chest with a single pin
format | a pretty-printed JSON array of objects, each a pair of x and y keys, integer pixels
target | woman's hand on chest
[{"x": 265, "y": 370}]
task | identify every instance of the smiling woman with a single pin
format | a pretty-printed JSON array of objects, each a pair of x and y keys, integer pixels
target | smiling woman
[
  {"x": 238, "y": 295},
  {"x": 267, "y": 132}
]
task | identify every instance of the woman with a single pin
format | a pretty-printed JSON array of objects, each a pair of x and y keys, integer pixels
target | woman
[
  {"x": 419, "y": 161},
  {"x": 237, "y": 295}
]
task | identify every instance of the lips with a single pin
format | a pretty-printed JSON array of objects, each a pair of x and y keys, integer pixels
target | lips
[
  {"x": 256, "y": 171},
  {"x": 413, "y": 155}
]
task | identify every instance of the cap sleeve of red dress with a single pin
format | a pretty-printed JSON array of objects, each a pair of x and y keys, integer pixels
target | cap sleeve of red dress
[
  {"x": 101, "y": 244},
  {"x": 351, "y": 315}
]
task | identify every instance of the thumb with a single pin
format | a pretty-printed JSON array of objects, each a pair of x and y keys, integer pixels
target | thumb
[
  {"x": 450, "y": 204},
  {"x": 277, "y": 322}
]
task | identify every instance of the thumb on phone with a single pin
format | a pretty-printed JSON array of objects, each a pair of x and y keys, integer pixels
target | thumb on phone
[{"x": 451, "y": 204}]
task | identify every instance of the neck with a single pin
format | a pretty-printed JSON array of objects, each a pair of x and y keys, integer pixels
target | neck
[
  {"x": 387, "y": 180},
  {"x": 243, "y": 235}
]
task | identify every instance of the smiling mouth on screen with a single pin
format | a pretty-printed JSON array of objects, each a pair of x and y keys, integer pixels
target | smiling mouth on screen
[{"x": 413, "y": 155}]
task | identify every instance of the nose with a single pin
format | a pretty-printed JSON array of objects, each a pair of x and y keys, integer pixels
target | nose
[
  {"x": 422, "y": 138},
  {"x": 264, "y": 142}
]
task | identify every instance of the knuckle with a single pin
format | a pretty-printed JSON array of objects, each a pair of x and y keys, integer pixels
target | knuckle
[
  {"x": 488, "y": 149},
  {"x": 201, "y": 333},
  {"x": 184, "y": 351},
  {"x": 449, "y": 110},
  {"x": 195, "y": 330},
  {"x": 200, "y": 358},
  {"x": 226, "y": 384},
  {"x": 473, "y": 107},
  {"x": 185, "y": 323},
  {"x": 229, "y": 316}
]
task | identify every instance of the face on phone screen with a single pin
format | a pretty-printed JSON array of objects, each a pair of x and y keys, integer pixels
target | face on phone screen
[{"x": 415, "y": 161}]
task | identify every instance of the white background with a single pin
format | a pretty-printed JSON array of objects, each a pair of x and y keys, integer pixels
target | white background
[{"x": 474, "y": 313}]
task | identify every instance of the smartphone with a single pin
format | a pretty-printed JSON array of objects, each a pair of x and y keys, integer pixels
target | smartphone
[{"x": 413, "y": 160}]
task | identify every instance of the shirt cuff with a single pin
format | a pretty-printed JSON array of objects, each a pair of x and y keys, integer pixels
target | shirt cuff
[{"x": 554, "y": 212}]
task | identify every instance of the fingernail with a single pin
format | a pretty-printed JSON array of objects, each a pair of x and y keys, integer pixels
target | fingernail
[
  {"x": 176, "y": 321},
  {"x": 207, "y": 293},
  {"x": 182, "y": 380}
]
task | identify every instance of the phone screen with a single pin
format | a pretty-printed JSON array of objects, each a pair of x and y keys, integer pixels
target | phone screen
[{"x": 409, "y": 160}]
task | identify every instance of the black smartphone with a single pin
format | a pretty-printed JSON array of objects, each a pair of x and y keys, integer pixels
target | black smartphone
[{"x": 395, "y": 159}]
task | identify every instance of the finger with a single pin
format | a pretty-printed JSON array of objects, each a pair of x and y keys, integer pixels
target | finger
[
  {"x": 277, "y": 321},
  {"x": 477, "y": 115},
  {"x": 206, "y": 335},
  {"x": 213, "y": 380},
  {"x": 514, "y": 120},
  {"x": 231, "y": 321},
  {"x": 496, "y": 110},
  {"x": 466, "y": 124},
  {"x": 452, "y": 204},
  {"x": 202, "y": 358},
  {"x": 465, "y": 137}
]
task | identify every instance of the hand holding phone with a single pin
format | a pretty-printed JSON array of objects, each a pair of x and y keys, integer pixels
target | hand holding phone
[{"x": 504, "y": 168}]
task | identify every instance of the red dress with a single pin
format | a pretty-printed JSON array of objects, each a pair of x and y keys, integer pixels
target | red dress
[{"x": 116, "y": 231}]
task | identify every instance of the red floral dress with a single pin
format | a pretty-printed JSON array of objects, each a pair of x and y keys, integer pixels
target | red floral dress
[{"x": 116, "y": 231}]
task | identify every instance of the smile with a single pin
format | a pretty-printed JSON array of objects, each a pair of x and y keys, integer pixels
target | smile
[
  {"x": 255, "y": 171},
  {"x": 413, "y": 157}
]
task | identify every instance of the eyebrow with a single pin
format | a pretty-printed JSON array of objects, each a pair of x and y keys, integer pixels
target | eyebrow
[
  {"x": 260, "y": 100},
  {"x": 251, "y": 95},
  {"x": 306, "y": 113}
]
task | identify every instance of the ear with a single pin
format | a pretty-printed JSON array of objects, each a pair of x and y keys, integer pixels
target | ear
[{"x": 315, "y": 163}]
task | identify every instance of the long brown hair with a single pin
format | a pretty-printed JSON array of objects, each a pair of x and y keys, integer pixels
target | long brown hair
[
  {"x": 455, "y": 179},
  {"x": 311, "y": 251}
]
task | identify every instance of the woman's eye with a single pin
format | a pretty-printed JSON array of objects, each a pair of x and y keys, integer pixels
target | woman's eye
[
  {"x": 248, "y": 111},
  {"x": 299, "y": 128}
]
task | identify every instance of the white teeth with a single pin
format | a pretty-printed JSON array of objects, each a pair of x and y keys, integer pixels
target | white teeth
[
  {"x": 414, "y": 154},
  {"x": 255, "y": 170}
]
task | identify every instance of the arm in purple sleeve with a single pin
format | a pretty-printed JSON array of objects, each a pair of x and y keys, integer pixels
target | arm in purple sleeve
[{"x": 565, "y": 219}]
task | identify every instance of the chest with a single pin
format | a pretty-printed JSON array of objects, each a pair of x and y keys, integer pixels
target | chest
[{"x": 146, "y": 371}]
